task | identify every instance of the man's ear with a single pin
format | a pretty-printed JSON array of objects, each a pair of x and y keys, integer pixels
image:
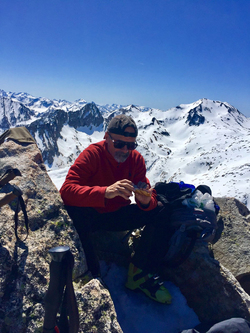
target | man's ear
[{"x": 105, "y": 135}]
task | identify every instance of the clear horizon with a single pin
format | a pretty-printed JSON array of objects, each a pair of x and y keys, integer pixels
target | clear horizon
[{"x": 151, "y": 53}]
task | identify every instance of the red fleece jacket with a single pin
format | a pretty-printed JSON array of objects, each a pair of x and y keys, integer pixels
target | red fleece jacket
[{"x": 94, "y": 170}]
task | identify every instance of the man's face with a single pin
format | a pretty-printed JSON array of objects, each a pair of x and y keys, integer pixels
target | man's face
[{"x": 119, "y": 154}]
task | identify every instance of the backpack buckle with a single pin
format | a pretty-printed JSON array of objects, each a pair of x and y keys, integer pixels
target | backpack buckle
[{"x": 207, "y": 234}]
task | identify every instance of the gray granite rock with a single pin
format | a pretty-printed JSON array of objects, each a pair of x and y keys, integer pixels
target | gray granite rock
[
  {"x": 24, "y": 265},
  {"x": 211, "y": 290},
  {"x": 232, "y": 249}
]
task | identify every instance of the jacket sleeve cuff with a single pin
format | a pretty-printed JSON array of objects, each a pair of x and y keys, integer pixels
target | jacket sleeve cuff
[{"x": 152, "y": 204}]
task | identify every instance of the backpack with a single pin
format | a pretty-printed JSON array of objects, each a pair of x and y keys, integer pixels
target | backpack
[{"x": 192, "y": 216}]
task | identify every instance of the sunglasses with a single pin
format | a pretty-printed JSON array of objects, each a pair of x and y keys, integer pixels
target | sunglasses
[{"x": 118, "y": 144}]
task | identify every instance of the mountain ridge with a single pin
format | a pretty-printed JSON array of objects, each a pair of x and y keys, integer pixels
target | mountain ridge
[{"x": 202, "y": 142}]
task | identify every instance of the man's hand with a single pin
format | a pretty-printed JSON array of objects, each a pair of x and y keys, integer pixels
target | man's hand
[
  {"x": 122, "y": 188},
  {"x": 143, "y": 198}
]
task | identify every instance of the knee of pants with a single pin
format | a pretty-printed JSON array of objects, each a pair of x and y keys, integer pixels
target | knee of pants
[{"x": 80, "y": 218}]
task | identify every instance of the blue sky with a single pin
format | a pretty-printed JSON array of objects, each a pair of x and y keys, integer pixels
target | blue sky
[{"x": 156, "y": 53}]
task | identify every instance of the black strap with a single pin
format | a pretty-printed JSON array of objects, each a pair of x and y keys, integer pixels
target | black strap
[
  {"x": 175, "y": 262},
  {"x": 69, "y": 317},
  {"x": 8, "y": 176},
  {"x": 21, "y": 203},
  {"x": 61, "y": 291}
]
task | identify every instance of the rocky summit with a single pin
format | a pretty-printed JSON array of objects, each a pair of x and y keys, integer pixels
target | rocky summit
[
  {"x": 205, "y": 142},
  {"x": 205, "y": 279},
  {"x": 25, "y": 263}
]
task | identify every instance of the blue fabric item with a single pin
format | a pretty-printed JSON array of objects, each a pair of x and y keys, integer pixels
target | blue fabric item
[{"x": 233, "y": 325}]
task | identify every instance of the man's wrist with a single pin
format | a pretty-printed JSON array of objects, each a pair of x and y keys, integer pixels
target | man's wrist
[{"x": 145, "y": 205}]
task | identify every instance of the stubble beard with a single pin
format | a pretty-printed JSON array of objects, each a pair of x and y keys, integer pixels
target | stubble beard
[{"x": 121, "y": 157}]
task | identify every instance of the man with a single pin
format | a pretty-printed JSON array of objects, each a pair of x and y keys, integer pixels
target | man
[{"x": 97, "y": 192}]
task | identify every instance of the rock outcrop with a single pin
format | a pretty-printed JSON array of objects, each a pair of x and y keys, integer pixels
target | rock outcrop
[
  {"x": 208, "y": 278},
  {"x": 24, "y": 265},
  {"x": 211, "y": 290},
  {"x": 208, "y": 283},
  {"x": 232, "y": 249}
]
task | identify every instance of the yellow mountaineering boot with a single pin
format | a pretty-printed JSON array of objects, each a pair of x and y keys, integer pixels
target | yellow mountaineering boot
[{"x": 147, "y": 283}]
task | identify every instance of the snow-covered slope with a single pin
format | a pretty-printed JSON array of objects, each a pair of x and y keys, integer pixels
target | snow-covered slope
[
  {"x": 41, "y": 104},
  {"x": 203, "y": 142},
  {"x": 209, "y": 143}
]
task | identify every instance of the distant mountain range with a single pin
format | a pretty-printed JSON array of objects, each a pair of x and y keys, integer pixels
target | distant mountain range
[{"x": 205, "y": 142}]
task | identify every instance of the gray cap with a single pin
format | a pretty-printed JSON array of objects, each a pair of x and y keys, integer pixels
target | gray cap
[{"x": 119, "y": 123}]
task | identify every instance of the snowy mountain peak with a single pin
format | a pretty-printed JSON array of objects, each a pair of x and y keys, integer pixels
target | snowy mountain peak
[
  {"x": 80, "y": 101},
  {"x": 42, "y": 104},
  {"x": 205, "y": 142},
  {"x": 12, "y": 113},
  {"x": 208, "y": 111}
]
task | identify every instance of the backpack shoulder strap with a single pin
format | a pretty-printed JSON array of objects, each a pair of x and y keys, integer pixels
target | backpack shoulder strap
[{"x": 177, "y": 241}]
